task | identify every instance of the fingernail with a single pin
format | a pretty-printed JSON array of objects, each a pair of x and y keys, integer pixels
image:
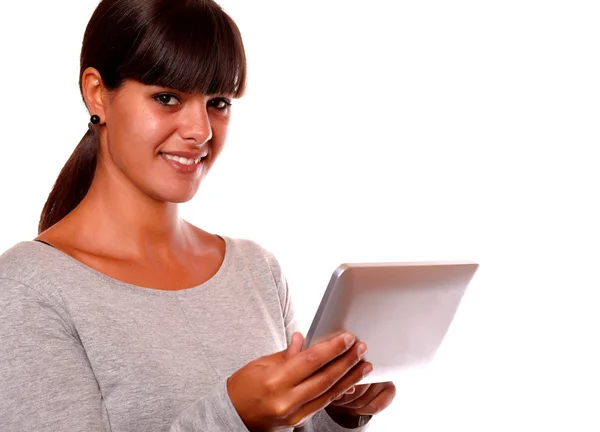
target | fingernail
[
  {"x": 349, "y": 339},
  {"x": 351, "y": 390},
  {"x": 362, "y": 350},
  {"x": 367, "y": 370}
]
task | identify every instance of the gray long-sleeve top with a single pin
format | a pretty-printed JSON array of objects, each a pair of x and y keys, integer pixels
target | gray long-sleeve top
[{"x": 80, "y": 351}]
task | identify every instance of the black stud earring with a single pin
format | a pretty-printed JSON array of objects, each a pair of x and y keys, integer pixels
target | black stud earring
[{"x": 95, "y": 119}]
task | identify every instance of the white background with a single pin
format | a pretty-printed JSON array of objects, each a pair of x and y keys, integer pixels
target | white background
[{"x": 387, "y": 130}]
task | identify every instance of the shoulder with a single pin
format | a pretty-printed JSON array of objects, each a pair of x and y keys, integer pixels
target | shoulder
[
  {"x": 31, "y": 304},
  {"x": 19, "y": 261},
  {"x": 32, "y": 265},
  {"x": 257, "y": 259},
  {"x": 254, "y": 253}
]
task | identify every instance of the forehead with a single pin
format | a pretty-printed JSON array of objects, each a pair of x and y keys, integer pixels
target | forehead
[{"x": 131, "y": 87}]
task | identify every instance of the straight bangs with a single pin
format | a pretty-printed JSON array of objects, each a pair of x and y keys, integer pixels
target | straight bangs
[{"x": 190, "y": 46}]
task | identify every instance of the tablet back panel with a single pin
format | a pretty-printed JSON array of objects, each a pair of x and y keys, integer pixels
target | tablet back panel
[{"x": 402, "y": 311}]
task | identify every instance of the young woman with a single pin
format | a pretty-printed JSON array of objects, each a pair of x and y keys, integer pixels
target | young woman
[{"x": 121, "y": 316}]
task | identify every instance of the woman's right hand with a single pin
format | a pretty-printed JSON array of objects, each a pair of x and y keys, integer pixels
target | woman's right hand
[{"x": 286, "y": 388}]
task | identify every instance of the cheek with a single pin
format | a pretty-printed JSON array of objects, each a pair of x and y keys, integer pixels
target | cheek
[
  {"x": 135, "y": 135},
  {"x": 220, "y": 129}
]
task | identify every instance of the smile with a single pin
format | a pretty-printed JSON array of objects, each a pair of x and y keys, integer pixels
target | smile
[{"x": 183, "y": 160}]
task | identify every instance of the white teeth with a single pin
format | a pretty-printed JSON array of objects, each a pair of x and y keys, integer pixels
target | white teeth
[{"x": 182, "y": 160}]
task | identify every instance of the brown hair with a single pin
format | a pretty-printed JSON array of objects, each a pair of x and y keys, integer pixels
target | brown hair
[{"x": 188, "y": 45}]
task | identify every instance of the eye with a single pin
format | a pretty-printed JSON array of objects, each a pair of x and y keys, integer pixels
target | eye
[
  {"x": 167, "y": 99},
  {"x": 220, "y": 104}
]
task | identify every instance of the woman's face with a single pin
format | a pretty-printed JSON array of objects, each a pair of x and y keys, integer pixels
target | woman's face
[{"x": 164, "y": 141}]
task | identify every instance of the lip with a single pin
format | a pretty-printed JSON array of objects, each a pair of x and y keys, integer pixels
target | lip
[
  {"x": 187, "y": 155},
  {"x": 181, "y": 168}
]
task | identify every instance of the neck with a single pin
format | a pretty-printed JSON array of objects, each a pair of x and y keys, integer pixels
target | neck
[{"x": 117, "y": 217}]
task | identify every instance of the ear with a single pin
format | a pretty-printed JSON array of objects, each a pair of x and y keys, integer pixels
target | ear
[{"x": 94, "y": 93}]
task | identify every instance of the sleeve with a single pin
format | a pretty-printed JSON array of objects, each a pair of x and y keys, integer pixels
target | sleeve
[
  {"x": 48, "y": 384},
  {"x": 321, "y": 421},
  {"x": 214, "y": 412}
]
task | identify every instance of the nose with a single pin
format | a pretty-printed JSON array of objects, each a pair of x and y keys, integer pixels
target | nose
[{"x": 195, "y": 126}]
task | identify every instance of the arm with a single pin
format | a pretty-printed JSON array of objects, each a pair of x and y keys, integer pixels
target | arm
[
  {"x": 46, "y": 380},
  {"x": 215, "y": 412},
  {"x": 48, "y": 384},
  {"x": 322, "y": 420}
]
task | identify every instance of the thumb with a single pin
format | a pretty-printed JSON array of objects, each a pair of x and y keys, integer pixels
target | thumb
[{"x": 295, "y": 346}]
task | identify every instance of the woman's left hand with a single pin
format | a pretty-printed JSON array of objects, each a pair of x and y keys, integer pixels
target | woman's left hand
[{"x": 367, "y": 399}]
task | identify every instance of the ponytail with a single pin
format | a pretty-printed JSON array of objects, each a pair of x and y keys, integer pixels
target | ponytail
[{"x": 73, "y": 182}]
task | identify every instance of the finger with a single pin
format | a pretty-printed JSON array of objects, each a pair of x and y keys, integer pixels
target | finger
[
  {"x": 379, "y": 402},
  {"x": 328, "y": 377},
  {"x": 345, "y": 399},
  {"x": 350, "y": 391},
  {"x": 294, "y": 347},
  {"x": 367, "y": 397},
  {"x": 304, "y": 364},
  {"x": 355, "y": 375}
]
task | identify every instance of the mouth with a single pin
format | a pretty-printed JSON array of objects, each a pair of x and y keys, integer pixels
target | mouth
[
  {"x": 185, "y": 160},
  {"x": 186, "y": 163}
]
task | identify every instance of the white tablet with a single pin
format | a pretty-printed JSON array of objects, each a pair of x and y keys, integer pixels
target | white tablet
[{"x": 402, "y": 311}]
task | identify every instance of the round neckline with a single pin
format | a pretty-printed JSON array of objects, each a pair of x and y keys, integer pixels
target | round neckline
[{"x": 157, "y": 291}]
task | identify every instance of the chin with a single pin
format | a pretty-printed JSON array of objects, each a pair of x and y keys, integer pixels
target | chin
[
  {"x": 180, "y": 200},
  {"x": 176, "y": 196}
]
